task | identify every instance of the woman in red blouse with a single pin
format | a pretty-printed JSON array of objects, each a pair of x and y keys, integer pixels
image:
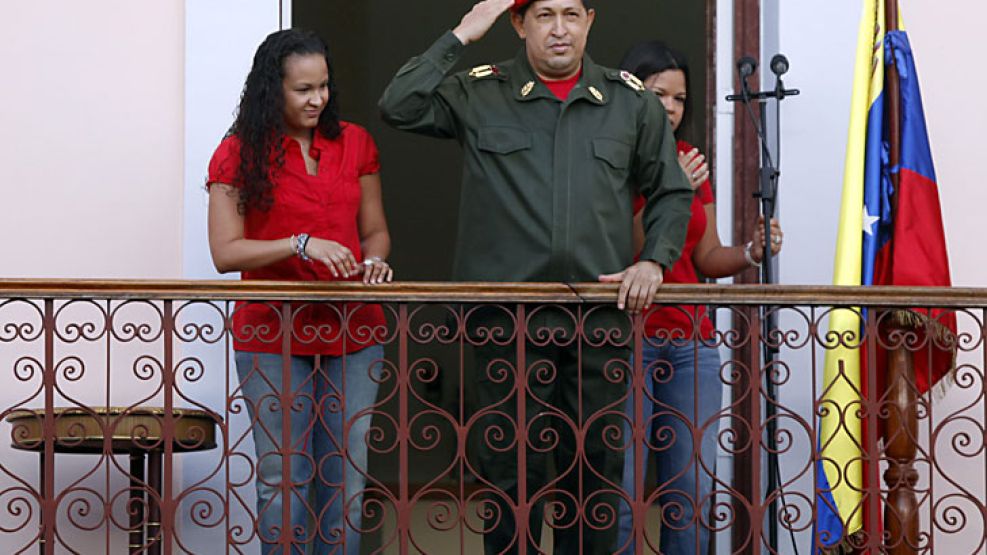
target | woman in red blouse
[
  {"x": 678, "y": 353},
  {"x": 295, "y": 194}
]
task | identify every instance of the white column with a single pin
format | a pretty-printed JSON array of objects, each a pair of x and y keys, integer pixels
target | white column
[{"x": 221, "y": 37}]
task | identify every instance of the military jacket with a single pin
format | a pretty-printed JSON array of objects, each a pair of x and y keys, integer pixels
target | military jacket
[{"x": 548, "y": 185}]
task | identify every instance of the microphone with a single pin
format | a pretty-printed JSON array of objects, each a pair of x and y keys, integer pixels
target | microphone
[
  {"x": 746, "y": 67},
  {"x": 779, "y": 65}
]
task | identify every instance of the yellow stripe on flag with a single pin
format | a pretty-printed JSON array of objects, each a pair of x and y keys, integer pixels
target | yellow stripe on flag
[{"x": 840, "y": 435}]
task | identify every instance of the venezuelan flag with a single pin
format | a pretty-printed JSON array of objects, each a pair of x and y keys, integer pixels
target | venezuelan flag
[
  {"x": 888, "y": 235},
  {"x": 839, "y": 471}
]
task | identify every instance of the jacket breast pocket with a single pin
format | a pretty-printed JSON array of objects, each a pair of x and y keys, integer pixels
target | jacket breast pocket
[
  {"x": 614, "y": 160},
  {"x": 503, "y": 140}
]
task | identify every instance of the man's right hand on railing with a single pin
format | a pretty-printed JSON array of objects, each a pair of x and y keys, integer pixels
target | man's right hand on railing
[{"x": 638, "y": 285}]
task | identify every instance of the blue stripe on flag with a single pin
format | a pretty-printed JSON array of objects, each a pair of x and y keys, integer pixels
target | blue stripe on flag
[
  {"x": 916, "y": 155},
  {"x": 877, "y": 192},
  {"x": 828, "y": 525}
]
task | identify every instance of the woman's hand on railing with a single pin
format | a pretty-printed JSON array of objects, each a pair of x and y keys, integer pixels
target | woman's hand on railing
[
  {"x": 336, "y": 257},
  {"x": 377, "y": 270}
]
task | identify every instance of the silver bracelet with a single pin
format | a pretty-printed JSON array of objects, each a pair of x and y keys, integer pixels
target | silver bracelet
[
  {"x": 300, "y": 247},
  {"x": 747, "y": 255}
]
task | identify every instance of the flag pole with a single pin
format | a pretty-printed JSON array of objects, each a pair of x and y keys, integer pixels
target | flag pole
[
  {"x": 901, "y": 516},
  {"x": 894, "y": 102}
]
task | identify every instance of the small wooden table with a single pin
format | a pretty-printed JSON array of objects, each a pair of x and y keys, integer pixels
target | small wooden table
[{"x": 135, "y": 431}]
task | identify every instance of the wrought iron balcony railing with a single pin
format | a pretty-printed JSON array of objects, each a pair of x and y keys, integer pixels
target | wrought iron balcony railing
[{"x": 494, "y": 412}]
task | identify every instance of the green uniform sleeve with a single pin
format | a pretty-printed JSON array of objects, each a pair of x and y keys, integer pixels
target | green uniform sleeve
[
  {"x": 420, "y": 98},
  {"x": 666, "y": 190}
]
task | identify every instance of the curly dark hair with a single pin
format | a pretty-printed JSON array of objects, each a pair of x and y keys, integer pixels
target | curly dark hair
[
  {"x": 654, "y": 56},
  {"x": 259, "y": 123}
]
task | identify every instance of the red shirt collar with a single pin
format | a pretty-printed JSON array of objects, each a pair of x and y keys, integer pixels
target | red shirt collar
[
  {"x": 319, "y": 143},
  {"x": 562, "y": 88}
]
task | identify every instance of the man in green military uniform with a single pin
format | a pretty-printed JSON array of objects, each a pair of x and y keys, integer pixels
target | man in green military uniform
[{"x": 556, "y": 148}]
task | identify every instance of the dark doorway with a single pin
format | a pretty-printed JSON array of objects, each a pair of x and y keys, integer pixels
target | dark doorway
[{"x": 371, "y": 39}]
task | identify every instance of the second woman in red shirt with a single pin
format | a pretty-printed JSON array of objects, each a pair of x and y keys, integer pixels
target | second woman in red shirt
[{"x": 680, "y": 360}]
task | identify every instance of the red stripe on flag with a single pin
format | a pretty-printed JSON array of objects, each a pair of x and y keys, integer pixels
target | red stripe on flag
[
  {"x": 916, "y": 256},
  {"x": 920, "y": 257}
]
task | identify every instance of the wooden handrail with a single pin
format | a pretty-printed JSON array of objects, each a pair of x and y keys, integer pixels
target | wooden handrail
[
  {"x": 781, "y": 295},
  {"x": 897, "y": 402}
]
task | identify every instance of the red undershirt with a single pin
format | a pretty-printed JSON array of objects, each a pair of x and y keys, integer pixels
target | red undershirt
[{"x": 561, "y": 89}]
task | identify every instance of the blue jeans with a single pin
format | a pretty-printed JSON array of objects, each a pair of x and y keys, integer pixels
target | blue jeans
[
  {"x": 315, "y": 441},
  {"x": 685, "y": 381}
]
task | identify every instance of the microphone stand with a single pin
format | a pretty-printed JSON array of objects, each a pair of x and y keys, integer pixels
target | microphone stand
[{"x": 767, "y": 193}]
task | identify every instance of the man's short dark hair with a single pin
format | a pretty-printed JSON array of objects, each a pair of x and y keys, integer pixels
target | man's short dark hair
[{"x": 523, "y": 10}]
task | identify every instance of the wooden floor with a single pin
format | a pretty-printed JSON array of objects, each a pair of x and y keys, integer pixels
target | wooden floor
[{"x": 430, "y": 541}]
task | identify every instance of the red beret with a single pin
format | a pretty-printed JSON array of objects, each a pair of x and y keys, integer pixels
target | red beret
[{"x": 518, "y": 4}]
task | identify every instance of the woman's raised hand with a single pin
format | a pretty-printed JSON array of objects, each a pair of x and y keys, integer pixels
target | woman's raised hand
[
  {"x": 694, "y": 165},
  {"x": 336, "y": 257}
]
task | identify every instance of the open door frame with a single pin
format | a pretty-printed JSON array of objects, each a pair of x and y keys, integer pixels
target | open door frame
[
  {"x": 746, "y": 159},
  {"x": 746, "y": 41}
]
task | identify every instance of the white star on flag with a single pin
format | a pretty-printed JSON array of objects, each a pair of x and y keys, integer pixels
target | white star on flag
[{"x": 869, "y": 222}]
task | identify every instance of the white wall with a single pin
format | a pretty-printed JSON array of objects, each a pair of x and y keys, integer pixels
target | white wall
[
  {"x": 91, "y": 158},
  {"x": 949, "y": 45},
  {"x": 108, "y": 116},
  {"x": 819, "y": 39},
  {"x": 91, "y": 138},
  {"x": 221, "y": 37},
  {"x": 820, "y": 43},
  {"x": 723, "y": 175}
]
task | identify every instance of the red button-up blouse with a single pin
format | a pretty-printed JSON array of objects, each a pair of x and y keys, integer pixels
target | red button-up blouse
[
  {"x": 680, "y": 320},
  {"x": 324, "y": 205}
]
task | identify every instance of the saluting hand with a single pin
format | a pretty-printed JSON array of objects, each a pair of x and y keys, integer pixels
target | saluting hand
[
  {"x": 480, "y": 19},
  {"x": 638, "y": 285}
]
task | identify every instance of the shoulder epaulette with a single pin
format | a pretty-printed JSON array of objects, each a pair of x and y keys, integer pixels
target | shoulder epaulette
[
  {"x": 628, "y": 79},
  {"x": 485, "y": 71}
]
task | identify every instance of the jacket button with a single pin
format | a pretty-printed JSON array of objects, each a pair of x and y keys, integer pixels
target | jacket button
[{"x": 450, "y": 56}]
